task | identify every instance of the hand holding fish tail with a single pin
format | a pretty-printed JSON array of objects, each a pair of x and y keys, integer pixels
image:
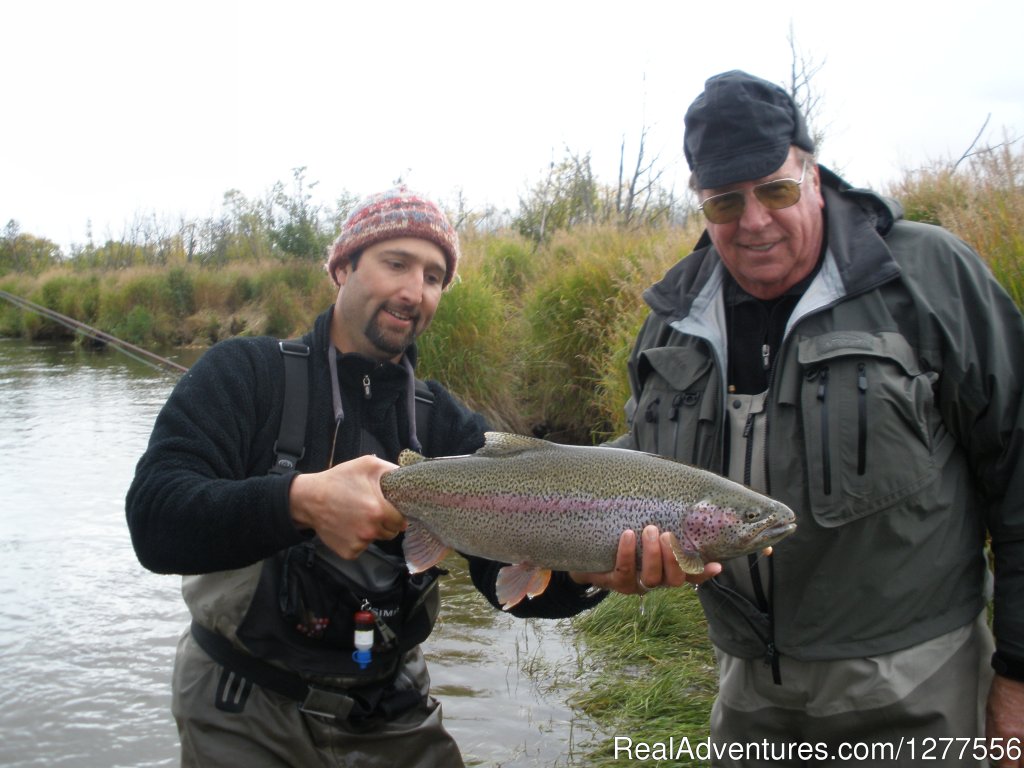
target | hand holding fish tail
[
  {"x": 658, "y": 566},
  {"x": 344, "y": 505}
]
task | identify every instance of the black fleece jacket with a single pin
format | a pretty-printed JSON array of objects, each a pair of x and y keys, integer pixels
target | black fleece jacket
[{"x": 202, "y": 501}]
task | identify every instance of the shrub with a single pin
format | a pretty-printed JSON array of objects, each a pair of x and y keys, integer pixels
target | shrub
[
  {"x": 583, "y": 316},
  {"x": 467, "y": 349},
  {"x": 982, "y": 202},
  {"x": 180, "y": 292},
  {"x": 138, "y": 326},
  {"x": 507, "y": 262}
]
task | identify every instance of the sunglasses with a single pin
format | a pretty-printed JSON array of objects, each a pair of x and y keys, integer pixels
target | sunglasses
[{"x": 776, "y": 195}]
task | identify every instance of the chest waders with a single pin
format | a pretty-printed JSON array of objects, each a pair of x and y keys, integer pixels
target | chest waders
[{"x": 303, "y": 612}]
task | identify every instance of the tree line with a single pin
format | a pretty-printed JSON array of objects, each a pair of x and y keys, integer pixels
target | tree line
[{"x": 286, "y": 223}]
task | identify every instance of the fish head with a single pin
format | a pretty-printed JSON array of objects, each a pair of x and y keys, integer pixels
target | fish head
[{"x": 734, "y": 523}]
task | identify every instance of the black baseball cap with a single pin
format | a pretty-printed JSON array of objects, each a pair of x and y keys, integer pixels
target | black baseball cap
[{"x": 741, "y": 128}]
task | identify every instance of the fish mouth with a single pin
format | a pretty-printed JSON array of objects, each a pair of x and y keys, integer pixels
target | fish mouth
[{"x": 775, "y": 533}]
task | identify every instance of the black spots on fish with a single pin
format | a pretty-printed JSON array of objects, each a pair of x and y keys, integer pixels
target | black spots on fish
[
  {"x": 710, "y": 524},
  {"x": 523, "y": 500}
]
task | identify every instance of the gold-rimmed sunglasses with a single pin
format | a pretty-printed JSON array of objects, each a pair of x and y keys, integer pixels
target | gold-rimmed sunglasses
[{"x": 728, "y": 206}]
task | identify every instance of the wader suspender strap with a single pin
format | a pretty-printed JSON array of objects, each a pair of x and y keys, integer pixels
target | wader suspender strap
[
  {"x": 291, "y": 437},
  {"x": 424, "y": 399},
  {"x": 363, "y": 708}
]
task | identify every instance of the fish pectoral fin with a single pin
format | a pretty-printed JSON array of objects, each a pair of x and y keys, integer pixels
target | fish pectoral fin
[
  {"x": 518, "y": 581},
  {"x": 422, "y": 548},
  {"x": 407, "y": 458},
  {"x": 689, "y": 560}
]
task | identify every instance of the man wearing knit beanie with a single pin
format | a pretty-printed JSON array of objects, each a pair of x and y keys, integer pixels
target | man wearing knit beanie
[
  {"x": 390, "y": 215},
  {"x": 284, "y": 565}
]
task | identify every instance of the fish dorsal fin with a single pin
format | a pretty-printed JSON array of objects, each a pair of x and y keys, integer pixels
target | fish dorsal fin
[
  {"x": 503, "y": 444},
  {"x": 407, "y": 458}
]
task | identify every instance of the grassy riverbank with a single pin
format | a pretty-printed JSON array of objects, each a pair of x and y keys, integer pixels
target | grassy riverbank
[
  {"x": 535, "y": 336},
  {"x": 653, "y": 674}
]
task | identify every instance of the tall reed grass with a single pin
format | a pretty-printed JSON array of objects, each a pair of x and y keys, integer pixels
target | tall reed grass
[
  {"x": 982, "y": 202},
  {"x": 183, "y": 306}
]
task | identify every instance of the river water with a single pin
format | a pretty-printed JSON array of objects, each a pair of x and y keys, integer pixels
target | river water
[{"x": 87, "y": 636}]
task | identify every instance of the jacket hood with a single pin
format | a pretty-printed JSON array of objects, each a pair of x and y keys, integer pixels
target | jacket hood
[{"x": 858, "y": 222}]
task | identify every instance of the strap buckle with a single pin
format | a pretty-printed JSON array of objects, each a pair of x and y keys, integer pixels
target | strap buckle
[
  {"x": 296, "y": 348},
  {"x": 286, "y": 461},
  {"x": 290, "y": 448}
]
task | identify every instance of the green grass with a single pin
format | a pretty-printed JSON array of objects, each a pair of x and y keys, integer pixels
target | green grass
[{"x": 651, "y": 674}]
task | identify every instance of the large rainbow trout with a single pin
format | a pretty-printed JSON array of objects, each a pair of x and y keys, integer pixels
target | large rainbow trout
[{"x": 544, "y": 506}]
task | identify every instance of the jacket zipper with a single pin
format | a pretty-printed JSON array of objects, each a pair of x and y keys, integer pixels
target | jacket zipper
[
  {"x": 826, "y": 459},
  {"x": 748, "y": 470},
  {"x": 772, "y": 656},
  {"x": 677, "y": 400},
  {"x": 862, "y": 419},
  {"x": 764, "y": 601},
  {"x": 673, "y": 416},
  {"x": 771, "y": 652},
  {"x": 689, "y": 399},
  {"x": 651, "y": 417}
]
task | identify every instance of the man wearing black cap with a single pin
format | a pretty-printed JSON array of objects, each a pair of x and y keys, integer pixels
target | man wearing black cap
[{"x": 867, "y": 372}]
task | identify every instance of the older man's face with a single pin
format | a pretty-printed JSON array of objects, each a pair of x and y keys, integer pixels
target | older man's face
[{"x": 768, "y": 251}]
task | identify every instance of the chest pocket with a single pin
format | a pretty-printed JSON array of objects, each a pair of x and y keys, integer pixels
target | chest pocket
[
  {"x": 870, "y": 425},
  {"x": 675, "y": 415}
]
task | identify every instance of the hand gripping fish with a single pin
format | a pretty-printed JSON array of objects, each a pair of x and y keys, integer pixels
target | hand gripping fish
[{"x": 545, "y": 506}]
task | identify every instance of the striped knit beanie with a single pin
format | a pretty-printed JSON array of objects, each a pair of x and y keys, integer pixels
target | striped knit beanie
[{"x": 393, "y": 214}]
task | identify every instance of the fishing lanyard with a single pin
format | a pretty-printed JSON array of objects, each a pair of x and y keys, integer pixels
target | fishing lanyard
[{"x": 339, "y": 411}]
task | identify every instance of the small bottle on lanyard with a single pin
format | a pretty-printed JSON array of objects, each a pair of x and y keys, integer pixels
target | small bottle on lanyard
[{"x": 363, "y": 637}]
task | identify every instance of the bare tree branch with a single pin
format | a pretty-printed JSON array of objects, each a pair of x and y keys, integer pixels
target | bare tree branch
[
  {"x": 968, "y": 152},
  {"x": 801, "y": 72}
]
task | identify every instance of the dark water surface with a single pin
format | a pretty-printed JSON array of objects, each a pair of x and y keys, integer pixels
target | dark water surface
[{"x": 87, "y": 636}]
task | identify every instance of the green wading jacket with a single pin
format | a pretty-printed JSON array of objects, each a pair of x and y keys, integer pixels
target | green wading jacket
[{"x": 895, "y": 431}]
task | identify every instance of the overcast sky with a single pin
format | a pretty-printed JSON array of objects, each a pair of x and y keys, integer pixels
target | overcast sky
[{"x": 115, "y": 109}]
